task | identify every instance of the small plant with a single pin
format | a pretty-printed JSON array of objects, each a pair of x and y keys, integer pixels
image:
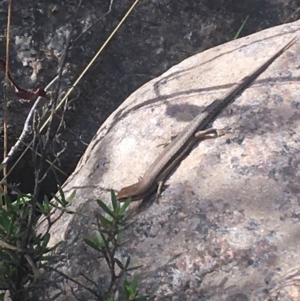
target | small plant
[
  {"x": 107, "y": 240},
  {"x": 23, "y": 252}
]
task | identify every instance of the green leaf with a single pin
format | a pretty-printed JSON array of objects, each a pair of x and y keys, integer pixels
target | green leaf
[
  {"x": 55, "y": 174},
  {"x": 99, "y": 240},
  {"x": 60, "y": 201},
  {"x": 71, "y": 197},
  {"x": 5, "y": 220},
  {"x": 2, "y": 269},
  {"x": 134, "y": 268},
  {"x": 105, "y": 208},
  {"x": 119, "y": 263},
  {"x": 241, "y": 28},
  {"x": 11, "y": 226},
  {"x": 45, "y": 207},
  {"x": 105, "y": 222},
  {"x": 114, "y": 201},
  {"x": 22, "y": 200},
  {"x": 134, "y": 282},
  {"x": 126, "y": 289},
  {"x": 124, "y": 206},
  {"x": 91, "y": 244},
  {"x": 45, "y": 241}
]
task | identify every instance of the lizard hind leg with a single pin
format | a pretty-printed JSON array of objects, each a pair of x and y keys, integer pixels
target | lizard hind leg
[{"x": 212, "y": 133}]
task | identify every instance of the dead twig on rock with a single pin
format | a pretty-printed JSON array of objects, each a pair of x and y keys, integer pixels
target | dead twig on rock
[{"x": 21, "y": 93}]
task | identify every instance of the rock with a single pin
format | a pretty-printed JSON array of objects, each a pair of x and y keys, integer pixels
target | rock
[{"x": 228, "y": 222}]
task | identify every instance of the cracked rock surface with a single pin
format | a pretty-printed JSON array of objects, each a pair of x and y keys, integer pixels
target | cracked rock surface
[
  {"x": 156, "y": 36},
  {"x": 227, "y": 225}
]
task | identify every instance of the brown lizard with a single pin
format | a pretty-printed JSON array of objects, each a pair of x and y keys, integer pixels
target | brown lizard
[{"x": 159, "y": 170}]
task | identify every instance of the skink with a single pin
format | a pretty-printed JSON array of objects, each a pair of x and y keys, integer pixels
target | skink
[{"x": 159, "y": 170}]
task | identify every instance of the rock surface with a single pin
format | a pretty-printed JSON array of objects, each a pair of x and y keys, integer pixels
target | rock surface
[{"x": 227, "y": 226}]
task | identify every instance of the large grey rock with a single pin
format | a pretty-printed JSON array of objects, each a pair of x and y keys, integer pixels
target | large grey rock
[{"x": 227, "y": 226}]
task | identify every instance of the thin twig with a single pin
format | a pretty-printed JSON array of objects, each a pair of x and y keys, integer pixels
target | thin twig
[
  {"x": 5, "y": 91},
  {"x": 98, "y": 19},
  {"x": 26, "y": 129},
  {"x": 93, "y": 60},
  {"x": 21, "y": 93},
  {"x": 75, "y": 84},
  {"x": 45, "y": 146},
  {"x": 62, "y": 64},
  {"x": 73, "y": 280}
]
